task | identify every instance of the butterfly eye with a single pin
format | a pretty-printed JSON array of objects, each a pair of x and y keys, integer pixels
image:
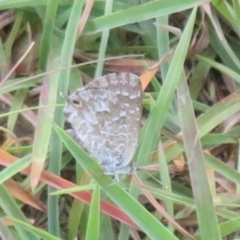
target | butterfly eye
[{"x": 76, "y": 102}]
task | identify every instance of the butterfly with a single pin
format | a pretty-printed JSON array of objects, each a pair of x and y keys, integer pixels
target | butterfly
[{"x": 105, "y": 117}]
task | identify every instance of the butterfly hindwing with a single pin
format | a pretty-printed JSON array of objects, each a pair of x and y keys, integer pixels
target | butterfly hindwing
[{"x": 105, "y": 116}]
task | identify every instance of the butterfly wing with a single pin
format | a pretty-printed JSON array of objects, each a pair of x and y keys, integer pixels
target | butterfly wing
[{"x": 105, "y": 116}]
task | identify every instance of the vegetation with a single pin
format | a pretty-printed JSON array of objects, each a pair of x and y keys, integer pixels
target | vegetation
[{"x": 187, "y": 56}]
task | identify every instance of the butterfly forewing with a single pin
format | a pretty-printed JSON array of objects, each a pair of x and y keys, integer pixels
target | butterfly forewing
[{"x": 105, "y": 117}]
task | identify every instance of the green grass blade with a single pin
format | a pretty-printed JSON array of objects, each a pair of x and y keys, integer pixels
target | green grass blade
[
  {"x": 160, "y": 111},
  {"x": 56, "y": 156},
  {"x": 207, "y": 218},
  {"x": 149, "y": 224},
  {"x": 144, "y": 11},
  {"x": 94, "y": 216},
  {"x": 11, "y": 209},
  {"x": 37, "y": 231}
]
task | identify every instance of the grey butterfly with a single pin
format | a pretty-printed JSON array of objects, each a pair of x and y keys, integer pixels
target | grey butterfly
[{"x": 105, "y": 116}]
